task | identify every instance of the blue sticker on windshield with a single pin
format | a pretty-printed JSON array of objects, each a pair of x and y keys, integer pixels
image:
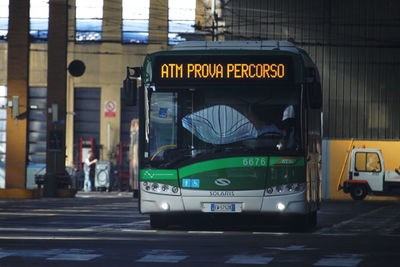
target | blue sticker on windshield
[
  {"x": 195, "y": 183},
  {"x": 163, "y": 112},
  {"x": 186, "y": 182}
]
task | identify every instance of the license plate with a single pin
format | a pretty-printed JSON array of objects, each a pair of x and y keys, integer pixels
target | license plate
[{"x": 222, "y": 207}]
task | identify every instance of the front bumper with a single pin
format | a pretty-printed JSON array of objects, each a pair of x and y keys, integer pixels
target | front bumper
[{"x": 252, "y": 202}]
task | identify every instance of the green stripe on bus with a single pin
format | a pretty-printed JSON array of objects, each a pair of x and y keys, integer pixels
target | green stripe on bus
[
  {"x": 150, "y": 174},
  {"x": 216, "y": 164}
]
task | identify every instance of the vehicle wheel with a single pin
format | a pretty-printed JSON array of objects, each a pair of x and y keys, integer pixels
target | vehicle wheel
[
  {"x": 158, "y": 221},
  {"x": 358, "y": 191}
]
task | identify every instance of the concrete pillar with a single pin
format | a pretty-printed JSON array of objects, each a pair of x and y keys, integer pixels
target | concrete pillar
[
  {"x": 17, "y": 81},
  {"x": 56, "y": 91},
  {"x": 158, "y": 23},
  {"x": 110, "y": 89},
  {"x": 112, "y": 13},
  {"x": 69, "y": 135}
]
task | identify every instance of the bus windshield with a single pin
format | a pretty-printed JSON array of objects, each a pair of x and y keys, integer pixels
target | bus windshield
[{"x": 190, "y": 123}]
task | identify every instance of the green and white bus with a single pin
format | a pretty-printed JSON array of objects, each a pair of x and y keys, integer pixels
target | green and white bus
[{"x": 229, "y": 128}]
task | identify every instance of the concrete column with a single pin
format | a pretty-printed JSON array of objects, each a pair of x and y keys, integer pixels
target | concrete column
[
  {"x": 69, "y": 135},
  {"x": 17, "y": 81},
  {"x": 112, "y": 15},
  {"x": 158, "y": 23},
  {"x": 110, "y": 89},
  {"x": 56, "y": 91}
]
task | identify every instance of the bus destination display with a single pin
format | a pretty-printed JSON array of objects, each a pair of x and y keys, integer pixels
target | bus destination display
[{"x": 207, "y": 69}]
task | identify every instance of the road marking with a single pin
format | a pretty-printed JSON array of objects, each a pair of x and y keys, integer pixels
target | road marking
[
  {"x": 269, "y": 233},
  {"x": 339, "y": 234},
  {"x": 74, "y": 254},
  {"x": 163, "y": 255},
  {"x": 45, "y": 229},
  {"x": 43, "y": 237},
  {"x": 337, "y": 262},
  {"x": 204, "y": 232},
  {"x": 162, "y": 258},
  {"x": 73, "y": 257},
  {"x": 26, "y": 214},
  {"x": 249, "y": 259},
  {"x": 340, "y": 260},
  {"x": 140, "y": 230},
  {"x": 137, "y": 225},
  {"x": 292, "y": 248},
  {"x": 63, "y": 214}
]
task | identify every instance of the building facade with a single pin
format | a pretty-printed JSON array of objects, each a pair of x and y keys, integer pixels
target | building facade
[
  {"x": 355, "y": 44},
  {"x": 107, "y": 36}
]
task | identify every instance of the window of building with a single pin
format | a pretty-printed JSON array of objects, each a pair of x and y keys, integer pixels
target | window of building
[
  {"x": 181, "y": 20},
  {"x": 135, "y": 21},
  {"x": 89, "y": 15},
  {"x": 39, "y": 20},
  {"x": 3, "y": 19}
]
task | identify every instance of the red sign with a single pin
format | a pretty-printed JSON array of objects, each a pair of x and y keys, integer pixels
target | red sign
[{"x": 110, "y": 109}]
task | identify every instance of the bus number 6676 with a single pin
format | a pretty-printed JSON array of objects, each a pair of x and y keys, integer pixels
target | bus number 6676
[{"x": 254, "y": 162}]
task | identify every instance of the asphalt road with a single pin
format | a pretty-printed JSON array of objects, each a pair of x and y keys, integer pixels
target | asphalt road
[{"x": 105, "y": 229}]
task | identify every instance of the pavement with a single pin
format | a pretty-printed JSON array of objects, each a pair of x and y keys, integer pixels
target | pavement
[{"x": 105, "y": 229}]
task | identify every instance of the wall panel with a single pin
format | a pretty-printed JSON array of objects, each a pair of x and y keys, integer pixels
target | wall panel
[{"x": 355, "y": 44}]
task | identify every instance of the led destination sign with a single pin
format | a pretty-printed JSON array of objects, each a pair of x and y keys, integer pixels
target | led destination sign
[
  {"x": 220, "y": 71},
  {"x": 211, "y": 69}
]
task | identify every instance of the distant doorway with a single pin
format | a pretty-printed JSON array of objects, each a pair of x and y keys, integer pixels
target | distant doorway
[{"x": 86, "y": 119}]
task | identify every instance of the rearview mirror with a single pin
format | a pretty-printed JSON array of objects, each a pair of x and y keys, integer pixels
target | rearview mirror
[
  {"x": 129, "y": 91},
  {"x": 315, "y": 95}
]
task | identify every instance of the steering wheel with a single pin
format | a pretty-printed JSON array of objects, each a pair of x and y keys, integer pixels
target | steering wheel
[{"x": 161, "y": 149}]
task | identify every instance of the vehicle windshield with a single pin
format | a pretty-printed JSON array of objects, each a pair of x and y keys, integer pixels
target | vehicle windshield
[{"x": 201, "y": 122}]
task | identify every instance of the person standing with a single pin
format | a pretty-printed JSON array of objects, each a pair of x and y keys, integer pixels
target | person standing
[{"x": 88, "y": 168}]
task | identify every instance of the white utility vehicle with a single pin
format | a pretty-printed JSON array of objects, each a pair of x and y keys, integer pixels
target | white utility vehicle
[{"x": 367, "y": 175}]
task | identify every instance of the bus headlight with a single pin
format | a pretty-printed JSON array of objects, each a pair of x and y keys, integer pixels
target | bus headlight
[
  {"x": 280, "y": 206},
  {"x": 175, "y": 189},
  {"x": 155, "y": 187},
  {"x": 164, "y": 187},
  {"x": 290, "y": 187},
  {"x": 164, "y": 206},
  {"x": 158, "y": 188},
  {"x": 285, "y": 189}
]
